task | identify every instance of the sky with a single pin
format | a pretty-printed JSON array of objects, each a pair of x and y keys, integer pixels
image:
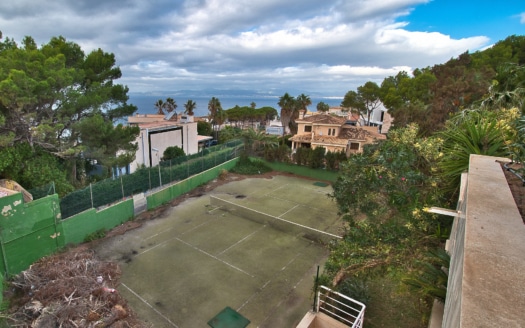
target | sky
[{"x": 326, "y": 47}]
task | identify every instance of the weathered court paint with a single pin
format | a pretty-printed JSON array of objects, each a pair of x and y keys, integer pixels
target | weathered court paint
[{"x": 183, "y": 269}]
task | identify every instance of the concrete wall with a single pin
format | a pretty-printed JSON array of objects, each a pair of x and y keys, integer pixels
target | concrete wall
[
  {"x": 28, "y": 231},
  {"x": 182, "y": 135},
  {"x": 486, "y": 282}
]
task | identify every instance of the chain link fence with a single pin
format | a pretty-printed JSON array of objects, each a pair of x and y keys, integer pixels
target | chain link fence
[{"x": 106, "y": 192}]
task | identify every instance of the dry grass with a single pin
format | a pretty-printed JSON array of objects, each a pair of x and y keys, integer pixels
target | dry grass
[{"x": 70, "y": 289}]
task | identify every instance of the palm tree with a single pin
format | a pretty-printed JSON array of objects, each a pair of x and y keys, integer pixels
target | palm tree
[
  {"x": 257, "y": 142},
  {"x": 323, "y": 107},
  {"x": 170, "y": 105},
  {"x": 159, "y": 105},
  {"x": 190, "y": 106},
  {"x": 287, "y": 104},
  {"x": 214, "y": 106},
  {"x": 304, "y": 101}
]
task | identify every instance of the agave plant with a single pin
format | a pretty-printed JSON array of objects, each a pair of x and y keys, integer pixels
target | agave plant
[{"x": 431, "y": 277}]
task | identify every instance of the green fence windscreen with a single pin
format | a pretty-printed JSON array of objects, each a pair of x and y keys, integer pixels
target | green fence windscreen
[
  {"x": 165, "y": 195},
  {"x": 304, "y": 171}
]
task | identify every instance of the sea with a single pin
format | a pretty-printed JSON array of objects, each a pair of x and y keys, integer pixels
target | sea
[{"x": 146, "y": 103}]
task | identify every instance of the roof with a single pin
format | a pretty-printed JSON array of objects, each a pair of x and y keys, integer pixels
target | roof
[
  {"x": 359, "y": 133},
  {"x": 347, "y": 133},
  {"x": 159, "y": 125},
  {"x": 203, "y": 138},
  {"x": 323, "y": 119}
]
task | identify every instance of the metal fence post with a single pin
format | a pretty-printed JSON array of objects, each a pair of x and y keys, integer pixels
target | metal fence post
[
  {"x": 91, "y": 193},
  {"x": 122, "y": 187},
  {"x": 160, "y": 178}
]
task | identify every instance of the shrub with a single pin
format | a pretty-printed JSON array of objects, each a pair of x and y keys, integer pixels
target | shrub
[{"x": 248, "y": 166}]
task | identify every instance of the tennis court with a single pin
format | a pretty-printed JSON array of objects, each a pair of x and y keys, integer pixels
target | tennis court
[{"x": 250, "y": 245}]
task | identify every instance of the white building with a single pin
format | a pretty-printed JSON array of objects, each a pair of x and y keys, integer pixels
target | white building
[{"x": 157, "y": 134}]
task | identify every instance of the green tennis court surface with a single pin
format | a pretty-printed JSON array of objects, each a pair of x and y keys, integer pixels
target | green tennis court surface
[{"x": 182, "y": 270}]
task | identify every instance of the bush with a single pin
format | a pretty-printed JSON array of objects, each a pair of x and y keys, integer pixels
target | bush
[
  {"x": 95, "y": 235},
  {"x": 172, "y": 152},
  {"x": 248, "y": 166}
]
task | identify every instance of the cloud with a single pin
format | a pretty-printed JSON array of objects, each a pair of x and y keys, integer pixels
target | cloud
[
  {"x": 331, "y": 46},
  {"x": 522, "y": 18}
]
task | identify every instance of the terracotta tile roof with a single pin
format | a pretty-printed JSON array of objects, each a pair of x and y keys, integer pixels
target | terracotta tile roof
[
  {"x": 323, "y": 119},
  {"x": 330, "y": 140},
  {"x": 350, "y": 132},
  {"x": 347, "y": 133},
  {"x": 302, "y": 137}
]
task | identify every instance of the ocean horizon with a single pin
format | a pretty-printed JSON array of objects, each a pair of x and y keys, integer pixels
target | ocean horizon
[{"x": 146, "y": 103}]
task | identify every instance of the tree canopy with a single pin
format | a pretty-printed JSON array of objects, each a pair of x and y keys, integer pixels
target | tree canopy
[
  {"x": 62, "y": 102},
  {"x": 430, "y": 96}
]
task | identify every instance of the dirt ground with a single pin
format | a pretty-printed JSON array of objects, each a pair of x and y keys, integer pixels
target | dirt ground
[
  {"x": 76, "y": 289},
  {"x": 517, "y": 188}
]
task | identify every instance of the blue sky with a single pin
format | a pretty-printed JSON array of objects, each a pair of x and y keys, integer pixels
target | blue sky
[
  {"x": 462, "y": 19},
  {"x": 328, "y": 47}
]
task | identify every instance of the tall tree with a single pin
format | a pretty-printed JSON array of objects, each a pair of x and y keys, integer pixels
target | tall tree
[
  {"x": 353, "y": 102},
  {"x": 322, "y": 107},
  {"x": 215, "y": 114},
  {"x": 170, "y": 105},
  {"x": 159, "y": 105},
  {"x": 369, "y": 93},
  {"x": 189, "y": 107},
  {"x": 46, "y": 92},
  {"x": 458, "y": 85},
  {"x": 303, "y": 101},
  {"x": 288, "y": 108}
]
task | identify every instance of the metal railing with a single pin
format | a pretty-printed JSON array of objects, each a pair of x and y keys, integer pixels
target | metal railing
[{"x": 340, "y": 307}]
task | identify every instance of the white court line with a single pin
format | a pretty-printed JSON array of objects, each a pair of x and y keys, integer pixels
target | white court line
[
  {"x": 291, "y": 209},
  {"x": 200, "y": 250},
  {"x": 214, "y": 257},
  {"x": 278, "y": 218},
  {"x": 150, "y": 306},
  {"x": 240, "y": 241},
  {"x": 268, "y": 282}
]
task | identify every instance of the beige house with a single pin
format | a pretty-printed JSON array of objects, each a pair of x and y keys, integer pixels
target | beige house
[
  {"x": 158, "y": 133},
  {"x": 334, "y": 133}
]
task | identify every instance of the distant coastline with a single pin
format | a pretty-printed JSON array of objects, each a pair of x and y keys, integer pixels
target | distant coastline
[{"x": 145, "y": 103}]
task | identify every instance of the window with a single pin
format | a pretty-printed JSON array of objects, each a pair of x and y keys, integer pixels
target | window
[
  {"x": 333, "y": 132},
  {"x": 329, "y": 132},
  {"x": 354, "y": 145},
  {"x": 307, "y": 128}
]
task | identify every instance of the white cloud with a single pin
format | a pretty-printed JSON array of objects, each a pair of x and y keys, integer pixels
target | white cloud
[{"x": 330, "y": 46}]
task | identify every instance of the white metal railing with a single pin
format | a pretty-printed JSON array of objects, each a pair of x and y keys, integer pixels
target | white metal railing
[{"x": 340, "y": 307}]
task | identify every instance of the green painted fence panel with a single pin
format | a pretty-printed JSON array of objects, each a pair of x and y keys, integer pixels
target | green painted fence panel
[
  {"x": 28, "y": 231},
  {"x": 1, "y": 288},
  {"x": 18, "y": 217},
  {"x": 116, "y": 214},
  {"x": 78, "y": 227},
  {"x": 22, "y": 252}
]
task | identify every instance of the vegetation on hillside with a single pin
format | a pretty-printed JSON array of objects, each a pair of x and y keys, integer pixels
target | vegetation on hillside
[{"x": 472, "y": 104}]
